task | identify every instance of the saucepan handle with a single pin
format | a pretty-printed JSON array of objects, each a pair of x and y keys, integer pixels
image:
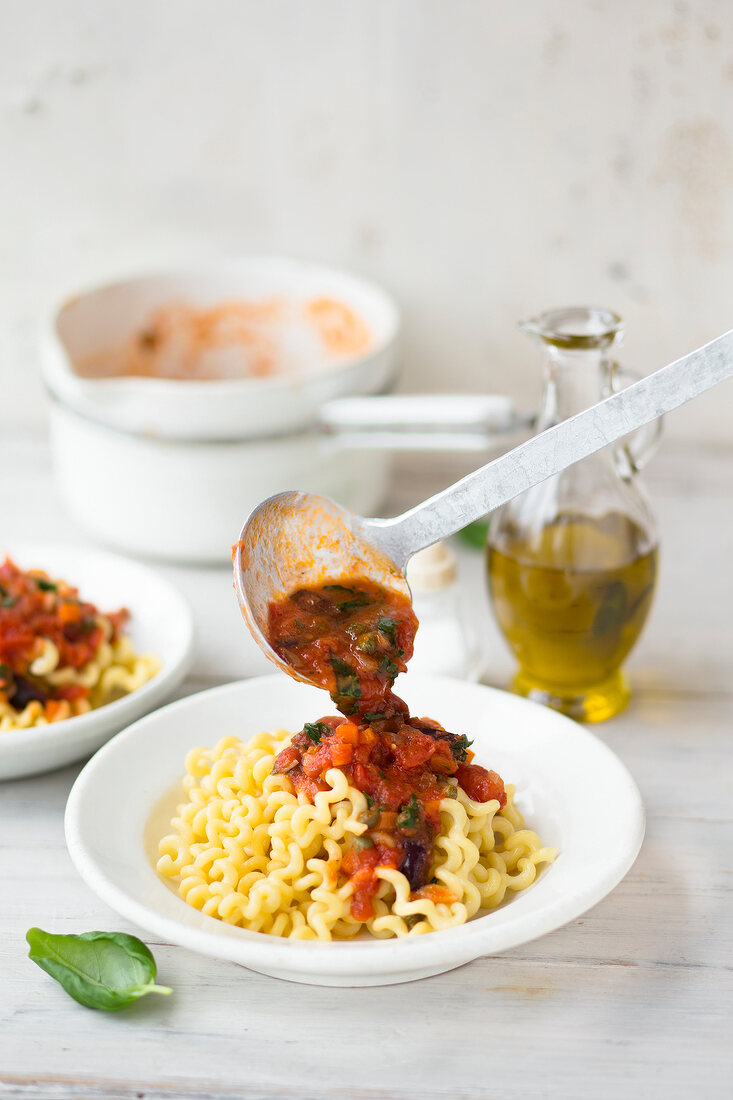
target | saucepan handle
[{"x": 422, "y": 421}]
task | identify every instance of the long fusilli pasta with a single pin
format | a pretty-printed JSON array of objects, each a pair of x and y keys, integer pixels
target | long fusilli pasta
[{"x": 246, "y": 849}]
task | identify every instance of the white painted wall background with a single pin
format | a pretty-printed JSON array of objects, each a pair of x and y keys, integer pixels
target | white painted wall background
[{"x": 482, "y": 159}]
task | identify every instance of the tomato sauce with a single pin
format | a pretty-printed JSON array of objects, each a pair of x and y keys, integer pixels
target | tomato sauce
[{"x": 353, "y": 638}]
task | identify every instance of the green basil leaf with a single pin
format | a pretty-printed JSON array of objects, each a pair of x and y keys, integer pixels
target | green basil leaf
[
  {"x": 106, "y": 970},
  {"x": 46, "y": 586},
  {"x": 338, "y": 588}
]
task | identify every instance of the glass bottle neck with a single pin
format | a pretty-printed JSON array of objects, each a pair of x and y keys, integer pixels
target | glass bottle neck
[{"x": 574, "y": 380}]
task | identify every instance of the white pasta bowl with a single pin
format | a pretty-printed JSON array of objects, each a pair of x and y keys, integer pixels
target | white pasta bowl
[
  {"x": 160, "y": 623},
  {"x": 570, "y": 787}
]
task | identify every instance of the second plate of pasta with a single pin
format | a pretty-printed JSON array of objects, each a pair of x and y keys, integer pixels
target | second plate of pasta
[
  {"x": 89, "y": 641},
  {"x": 229, "y": 862}
]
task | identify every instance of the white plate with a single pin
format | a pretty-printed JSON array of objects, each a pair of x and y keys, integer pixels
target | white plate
[
  {"x": 160, "y": 623},
  {"x": 570, "y": 787}
]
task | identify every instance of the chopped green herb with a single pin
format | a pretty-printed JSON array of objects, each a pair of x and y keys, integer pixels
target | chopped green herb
[
  {"x": 351, "y": 605},
  {"x": 409, "y": 815},
  {"x": 460, "y": 747},
  {"x": 374, "y": 716},
  {"x": 388, "y": 627},
  {"x": 370, "y": 817},
  {"x": 369, "y": 800},
  {"x": 381, "y": 773},
  {"x": 338, "y": 588},
  {"x": 46, "y": 586},
  {"x": 8, "y": 601},
  {"x": 107, "y": 970},
  {"x": 390, "y": 668},
  {"x": 347, "y": 682},
  {"x": 367, "y": 643},
  {"x": 316, "y": 730}
]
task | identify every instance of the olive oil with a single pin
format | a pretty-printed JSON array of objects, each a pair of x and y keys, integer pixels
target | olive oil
[{"x": 571, "y": 600}]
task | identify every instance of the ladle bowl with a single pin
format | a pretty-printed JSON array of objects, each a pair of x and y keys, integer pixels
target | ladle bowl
[{"x": 300, "y": 540}]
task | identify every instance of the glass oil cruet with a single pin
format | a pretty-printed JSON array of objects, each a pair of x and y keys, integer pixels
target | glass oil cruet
[{"x": 572, "y": 562}]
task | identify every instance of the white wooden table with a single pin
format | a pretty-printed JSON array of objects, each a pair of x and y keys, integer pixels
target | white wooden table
[{"x": 633, "y": 999}]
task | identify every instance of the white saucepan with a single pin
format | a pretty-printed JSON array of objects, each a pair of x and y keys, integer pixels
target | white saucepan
[{"x": 168, "y": 468}]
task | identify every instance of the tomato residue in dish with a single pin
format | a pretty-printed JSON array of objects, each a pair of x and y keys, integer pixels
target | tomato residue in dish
[
  {"x": 230, "y": 340},
  {"x": 353, "y": 637},
  {"x": 35, "y": 608}
]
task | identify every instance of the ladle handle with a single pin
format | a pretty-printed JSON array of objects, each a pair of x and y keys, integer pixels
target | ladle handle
[{"x": 553, "y": 450}]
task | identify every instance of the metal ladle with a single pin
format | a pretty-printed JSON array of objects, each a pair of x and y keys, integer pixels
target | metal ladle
[{"x": 300, "y": 540}]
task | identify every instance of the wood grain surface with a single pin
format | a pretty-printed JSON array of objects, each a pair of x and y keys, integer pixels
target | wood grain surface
[{"x": 635, "y": 997}]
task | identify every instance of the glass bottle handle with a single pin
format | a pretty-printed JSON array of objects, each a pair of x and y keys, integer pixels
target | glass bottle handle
[{"x": 634, "y": 453}]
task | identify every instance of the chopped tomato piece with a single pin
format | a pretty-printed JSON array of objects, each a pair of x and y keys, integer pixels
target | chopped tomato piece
[
  {"x": 287, "y": 759},
  {"x": 413, "y": 748},
  {"x": 481, "y": 785},
  {"x": 439, "y": 895}
]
